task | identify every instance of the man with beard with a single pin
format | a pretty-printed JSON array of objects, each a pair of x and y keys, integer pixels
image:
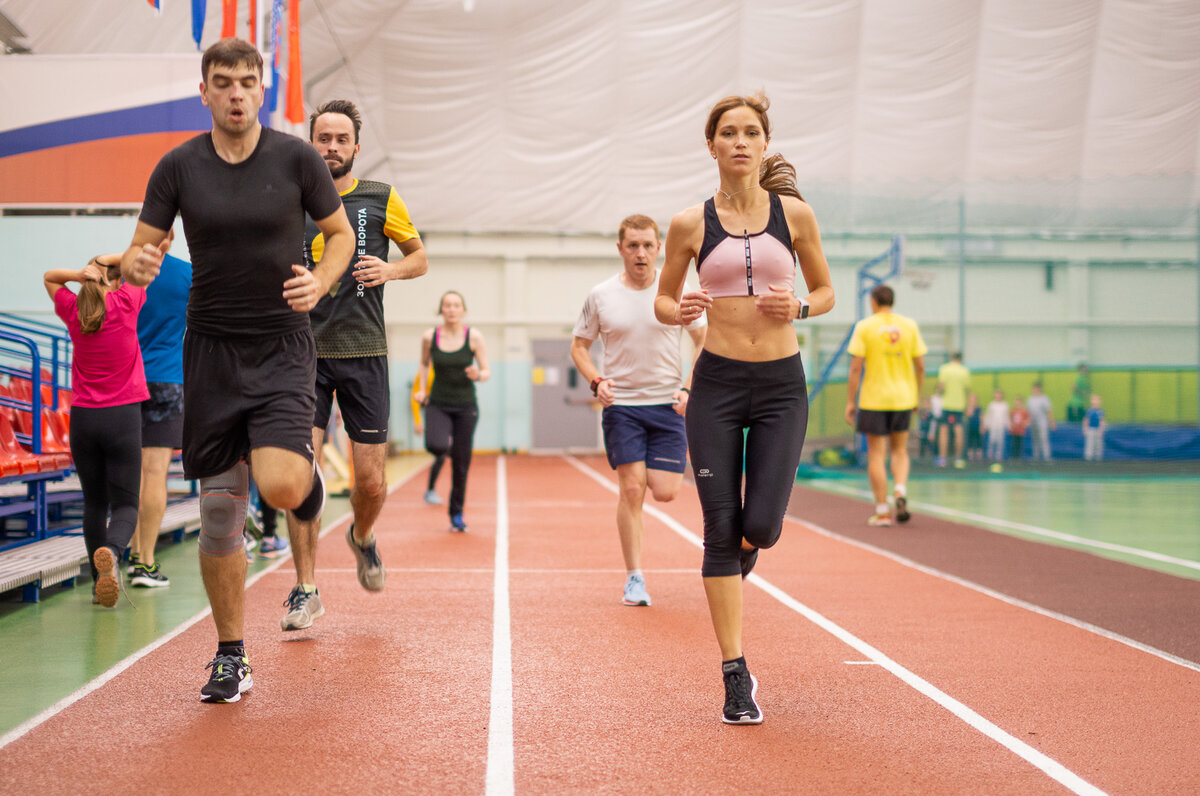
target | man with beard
[
  {"x": 248, "y": 357},
  {"x": 352, "y": 351}
]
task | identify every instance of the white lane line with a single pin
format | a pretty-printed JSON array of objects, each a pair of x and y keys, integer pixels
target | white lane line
[
  {"x": 511, "y": 570},
  {"x": 1048, "y": 765},
  {"x": 980, "y": 519},
  {"x": 1037, "y": 609},
  {"x": 70, "y": 699},
  {"x": 500, "y": 777}
]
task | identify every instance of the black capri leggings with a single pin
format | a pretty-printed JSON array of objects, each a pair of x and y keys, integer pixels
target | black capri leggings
[
  {"x": 451, "y": 429},
  {"x": 107, "y": 447},
  {"x": 771, "y": 400}
]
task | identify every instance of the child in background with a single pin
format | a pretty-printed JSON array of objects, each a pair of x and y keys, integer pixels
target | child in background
[
  {"x": 995, "y": 424},
  {"x": 1093, "y": 431},
  {"x": 1018, "y": 425},
  {"x": 974, "y": 421}
]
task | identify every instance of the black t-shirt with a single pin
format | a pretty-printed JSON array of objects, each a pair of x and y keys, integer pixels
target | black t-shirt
[{"x": 243, "y": 223}]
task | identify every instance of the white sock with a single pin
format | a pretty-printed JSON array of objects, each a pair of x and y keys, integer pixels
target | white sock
[
  {"x": 881, "y": 508},
  {"x": 631, "y": 572},
  {"x": 901, "y": 490}
]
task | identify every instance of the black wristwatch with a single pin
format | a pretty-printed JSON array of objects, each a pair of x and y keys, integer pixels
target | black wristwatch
[{"x": 802, "y": 313}]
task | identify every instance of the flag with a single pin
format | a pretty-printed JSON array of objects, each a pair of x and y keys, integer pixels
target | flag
[
  {"x": 294, "y": 112},
  {"x": 156, "y": 5},
  {"x": 198, "y": 7},
  {"x": 228, "y": 19},
  {"x": 276, "y": 23},
  {"x": 252, "y": 21}
]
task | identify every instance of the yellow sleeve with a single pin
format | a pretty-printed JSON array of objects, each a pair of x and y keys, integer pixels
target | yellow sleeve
[
  {"x": 919, "y": 347},
  {"x": 398, "y": 226},
  {"x": 858, "y": 343}
]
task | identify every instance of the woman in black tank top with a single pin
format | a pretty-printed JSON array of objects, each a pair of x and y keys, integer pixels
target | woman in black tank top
[{"x": 458, "y": 356}]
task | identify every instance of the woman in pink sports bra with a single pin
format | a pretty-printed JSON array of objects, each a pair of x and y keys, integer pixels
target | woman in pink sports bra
[{"x": 745, "y": 241}]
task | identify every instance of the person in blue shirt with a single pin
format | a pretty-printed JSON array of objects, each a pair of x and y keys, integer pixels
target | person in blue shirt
[
  {"x": 161, "y": 325},
  {"x": 1093, "y": 431}
]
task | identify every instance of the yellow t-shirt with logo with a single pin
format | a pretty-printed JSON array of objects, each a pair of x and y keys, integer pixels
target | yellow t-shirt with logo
[
  {"x": 956, "y": 385},
  {"x": 887, "y": 343}
]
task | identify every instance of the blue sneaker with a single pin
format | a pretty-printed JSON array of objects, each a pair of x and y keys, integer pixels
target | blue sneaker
[
  {"x": 635, "y": 591},
  {"x": 456, "y": 524},
  {"x": 272, "y": 547}
]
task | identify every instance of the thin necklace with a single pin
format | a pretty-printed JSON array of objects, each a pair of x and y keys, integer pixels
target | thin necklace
[{"x": 729, "y": 196}]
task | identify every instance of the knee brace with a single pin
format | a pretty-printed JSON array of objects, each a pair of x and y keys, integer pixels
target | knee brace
[{"x": 223, "y": 501}]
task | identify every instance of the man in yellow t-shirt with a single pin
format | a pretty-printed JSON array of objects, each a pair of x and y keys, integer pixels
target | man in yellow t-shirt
[
  {"x": 955, "y": 380},
  {"x": 888, "y": 361}
]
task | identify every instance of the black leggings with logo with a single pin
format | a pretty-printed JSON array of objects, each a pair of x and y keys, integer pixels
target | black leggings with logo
[
  {"x": 751, "y": 412},
  {"x": 106, "y": 445}
]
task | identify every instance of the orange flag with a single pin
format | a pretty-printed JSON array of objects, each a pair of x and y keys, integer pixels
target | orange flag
[
  {"x": 252, "y": 21},
  {"x": 294, "y": 110},
  {"x": 229, "y": 20}
]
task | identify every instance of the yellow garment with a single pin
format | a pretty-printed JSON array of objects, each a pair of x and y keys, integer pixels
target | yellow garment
[
  {"x": 887, "y": 343},
  {"x": 956, "y": 384}
]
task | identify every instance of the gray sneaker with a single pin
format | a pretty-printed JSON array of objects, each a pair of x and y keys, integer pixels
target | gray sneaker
[
  {"x": 635, "y": 591},
  {"x": 303, "y": 607},
  {"x": 371, "y": 574}
]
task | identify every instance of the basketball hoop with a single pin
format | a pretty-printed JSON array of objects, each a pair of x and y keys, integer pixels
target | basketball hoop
[{"x": 920, "y": 280}]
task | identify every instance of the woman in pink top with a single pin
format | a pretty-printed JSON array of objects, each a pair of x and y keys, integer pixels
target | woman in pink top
[
  {"x": 745, "y": 241},
  {"x": 108, "y": 385}
]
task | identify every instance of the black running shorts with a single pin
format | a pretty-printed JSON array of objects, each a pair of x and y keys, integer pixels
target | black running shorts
[
  {"x": 162, "y": 416},
  {"x": 882, "y": 423},
  {"x": 361, "y": 387},
  {"x": 242, "y": 393}
]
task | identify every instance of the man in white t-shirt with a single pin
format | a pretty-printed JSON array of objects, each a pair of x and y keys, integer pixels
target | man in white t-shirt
[{"x": 641, "y": 387}]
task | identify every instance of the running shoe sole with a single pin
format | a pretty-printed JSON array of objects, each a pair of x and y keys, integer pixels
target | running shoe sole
[{"x": 108, "y": 588}]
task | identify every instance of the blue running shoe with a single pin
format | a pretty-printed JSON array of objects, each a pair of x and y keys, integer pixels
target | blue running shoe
[
  {"x": 456, "y": 524},
  {"x": 272, "y": 547}
]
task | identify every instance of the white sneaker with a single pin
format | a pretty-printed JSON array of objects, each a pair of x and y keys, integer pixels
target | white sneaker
[
  {"x": 303, "y": 607},
  {"x": 635, "y": 591}
]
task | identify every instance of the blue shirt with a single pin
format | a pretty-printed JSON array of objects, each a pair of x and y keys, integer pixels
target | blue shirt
[
  {"x": 162, "y": 321},
  {"x": 1094, "y": 417}
]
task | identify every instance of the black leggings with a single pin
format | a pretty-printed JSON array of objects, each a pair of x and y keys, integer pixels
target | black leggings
[
  {"x": 451, "y": 429},
  {"x": 107, "y": 447},
  {"x": 771, "y": 400}
]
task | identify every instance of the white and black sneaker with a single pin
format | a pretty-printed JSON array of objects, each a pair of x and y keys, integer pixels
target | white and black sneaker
[
  {"x": 740, "y": 689},
  {"x": 371, "y": 574},
  {"x": 303, "y": 607},
  {"x": 149, "y": 577},
  {"x": 230, "y": 678}
]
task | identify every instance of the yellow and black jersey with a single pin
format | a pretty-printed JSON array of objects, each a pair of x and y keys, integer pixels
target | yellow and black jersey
[{"x": 348, "y": 322}]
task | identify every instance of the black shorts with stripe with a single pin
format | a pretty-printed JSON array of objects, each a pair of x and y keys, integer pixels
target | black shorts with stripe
[
  {"x": 361, "y": 387},
  {"x": 242, "y": 393}
]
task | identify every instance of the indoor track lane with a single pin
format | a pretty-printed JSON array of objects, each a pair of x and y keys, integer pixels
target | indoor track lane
[{"x": 391, "y": 692}]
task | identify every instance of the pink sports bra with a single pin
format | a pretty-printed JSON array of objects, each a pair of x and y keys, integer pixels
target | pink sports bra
[{"x": 744, "y": 265}]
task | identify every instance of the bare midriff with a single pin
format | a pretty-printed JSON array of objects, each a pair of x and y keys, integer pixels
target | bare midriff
[{"x": 737, "y": 330}]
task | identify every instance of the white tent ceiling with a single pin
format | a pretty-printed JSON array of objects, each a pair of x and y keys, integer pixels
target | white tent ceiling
[{"x": 570, "y": 114}]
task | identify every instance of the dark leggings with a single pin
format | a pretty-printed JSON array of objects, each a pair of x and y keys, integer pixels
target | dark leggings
[
  {"x": 106, "y": 445},
  {"x": 451, "y": 429},
  {"x": 771, "y": 400}
]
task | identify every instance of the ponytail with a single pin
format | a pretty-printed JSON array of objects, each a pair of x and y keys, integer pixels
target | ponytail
[
  {"x": 91, "y": 307},
  {"x": 778, "y": 176}
]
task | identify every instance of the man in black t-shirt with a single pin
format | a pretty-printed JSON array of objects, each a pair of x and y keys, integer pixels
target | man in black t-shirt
[
  {"x": 249, "y": 359},
  {"x": 352, "y": 350}
]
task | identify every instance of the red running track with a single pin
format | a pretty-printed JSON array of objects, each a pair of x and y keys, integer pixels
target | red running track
[{"x": 874, "y": 677}]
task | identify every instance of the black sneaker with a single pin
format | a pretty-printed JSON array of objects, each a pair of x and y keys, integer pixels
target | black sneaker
[
  {"x": 740, "y": 688},
  {"x": 149, "y": 577},
  {"x": 902, "y": 514},
  {"x": 230, "y": 678},
  {"x": 748, "y": 559},
  {"x": 314, "y": 504}
]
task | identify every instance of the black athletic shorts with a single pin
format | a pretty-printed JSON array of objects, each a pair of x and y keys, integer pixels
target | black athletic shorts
[
  {"x": 241, "y": 393},
  {"x": 361, "y": 386},
  {"x": 162, "y": 416},
  {"x": 882, "y": 422}
]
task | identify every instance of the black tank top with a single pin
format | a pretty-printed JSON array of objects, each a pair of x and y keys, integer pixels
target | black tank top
[{"x": 451, "y": 387}]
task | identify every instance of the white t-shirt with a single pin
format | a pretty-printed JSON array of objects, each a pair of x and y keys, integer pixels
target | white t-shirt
[{"x": 641, "y": 355}]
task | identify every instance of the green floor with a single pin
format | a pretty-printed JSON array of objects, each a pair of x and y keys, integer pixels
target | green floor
[{"x": 1156, "y": 517}]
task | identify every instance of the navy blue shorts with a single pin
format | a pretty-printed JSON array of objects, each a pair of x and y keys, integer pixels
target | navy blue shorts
[{"x": 651, "y": 434}]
